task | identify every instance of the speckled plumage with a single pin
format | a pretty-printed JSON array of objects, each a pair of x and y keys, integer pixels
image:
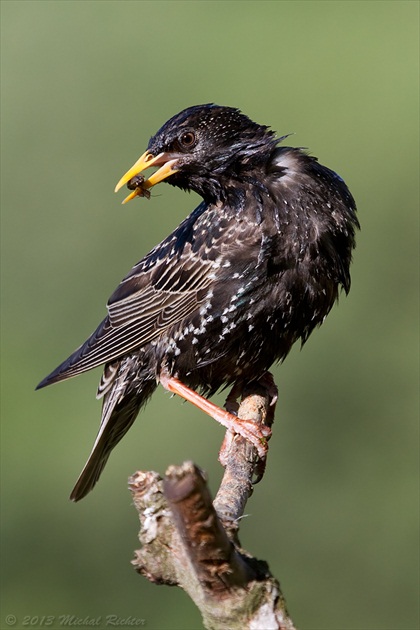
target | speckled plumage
[{"x": 254, "y": 268}]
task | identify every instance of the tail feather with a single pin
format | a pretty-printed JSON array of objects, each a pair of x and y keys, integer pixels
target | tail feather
[
  {"x": 119, "y": 411},
  {"x": 116, "y": 426}
]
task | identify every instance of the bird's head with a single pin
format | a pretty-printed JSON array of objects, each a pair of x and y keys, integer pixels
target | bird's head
[{"x": 201, "y": 149}]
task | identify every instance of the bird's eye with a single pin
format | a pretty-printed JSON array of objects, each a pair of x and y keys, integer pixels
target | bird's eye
[{"x": 187, "y": 139}]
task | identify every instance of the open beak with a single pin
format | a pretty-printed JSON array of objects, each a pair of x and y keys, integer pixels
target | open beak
[{"x": 164, "y": 160}]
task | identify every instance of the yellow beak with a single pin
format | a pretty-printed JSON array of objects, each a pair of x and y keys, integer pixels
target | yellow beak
[{"x": 145, "y": 161}]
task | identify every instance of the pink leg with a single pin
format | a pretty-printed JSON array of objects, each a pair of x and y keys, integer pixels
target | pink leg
[
  {"x": 257, "y": 435},
  {"x": 267, "y": 381},
  {"x": 232, "y": 405}
]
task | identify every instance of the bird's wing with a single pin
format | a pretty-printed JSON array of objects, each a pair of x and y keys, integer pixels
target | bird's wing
[
  {"x": 148, "y": 303},
  {"x": 160, "y": 291}
]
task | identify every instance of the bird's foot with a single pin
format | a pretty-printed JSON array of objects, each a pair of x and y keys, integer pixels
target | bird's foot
[
  {"x": 226, "y": 447},
  {"x": 231, "y": 402},
  {"x": 232, "y": 405},
  {"x": 267, "y": 381},
  {"x": 256, "y": 434}
]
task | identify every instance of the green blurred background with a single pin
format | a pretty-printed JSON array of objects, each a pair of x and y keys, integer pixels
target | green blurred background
[{"x": 84, "y": 86}]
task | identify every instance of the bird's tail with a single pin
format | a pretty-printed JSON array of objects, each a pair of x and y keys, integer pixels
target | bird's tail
[{"x": 119, "y": 411}]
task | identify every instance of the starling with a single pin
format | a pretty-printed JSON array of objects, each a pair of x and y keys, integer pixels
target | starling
[{"x": 254, "y": 268}]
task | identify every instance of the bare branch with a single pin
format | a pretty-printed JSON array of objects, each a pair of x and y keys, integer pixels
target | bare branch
[{"x": 191, "y": 542}]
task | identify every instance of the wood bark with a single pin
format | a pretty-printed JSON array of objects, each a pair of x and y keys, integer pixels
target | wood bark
[{"x": 192, "y": 542}]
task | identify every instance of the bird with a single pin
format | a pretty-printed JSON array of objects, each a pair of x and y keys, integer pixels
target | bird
[{"x": 254, "y": 268}]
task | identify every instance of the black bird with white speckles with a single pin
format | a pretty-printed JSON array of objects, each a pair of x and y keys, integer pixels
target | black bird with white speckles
[{"x": 254, "y": 268}]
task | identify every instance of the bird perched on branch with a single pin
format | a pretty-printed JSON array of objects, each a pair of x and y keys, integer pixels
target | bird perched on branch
[{"x": 254, "y": 268}]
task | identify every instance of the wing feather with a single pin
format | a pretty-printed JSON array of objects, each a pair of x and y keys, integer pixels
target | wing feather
[
  {"x": 163, "y": 289},
  {"x": 157, "y": 294}
]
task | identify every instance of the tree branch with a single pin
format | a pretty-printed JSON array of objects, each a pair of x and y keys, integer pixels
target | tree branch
[{"x": 193, "y": 543}]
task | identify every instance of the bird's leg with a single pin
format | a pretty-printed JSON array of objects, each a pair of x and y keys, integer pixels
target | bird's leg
[
  {"x": 267, "y": 381},
  {"x": 231, "y": 402},
  {"x": 226, "y": 446},
  {"x": 232, "y": 405},
  {"x": 257, "y": 435}
]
